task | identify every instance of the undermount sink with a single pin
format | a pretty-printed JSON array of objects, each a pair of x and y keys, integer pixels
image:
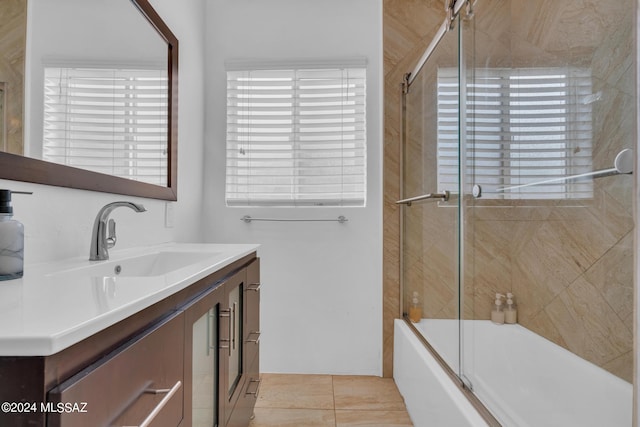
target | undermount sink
[{"x": 148, "y": 265}]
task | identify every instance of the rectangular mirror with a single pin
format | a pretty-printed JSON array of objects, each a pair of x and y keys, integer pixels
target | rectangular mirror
[{"x": 100, "y": 100}]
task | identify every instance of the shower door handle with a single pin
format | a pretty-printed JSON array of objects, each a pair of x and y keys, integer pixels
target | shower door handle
[{"x": 444, "y": 196}]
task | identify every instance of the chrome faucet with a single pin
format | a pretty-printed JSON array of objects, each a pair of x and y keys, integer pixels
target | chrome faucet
[{"x": 100, "y": 243}]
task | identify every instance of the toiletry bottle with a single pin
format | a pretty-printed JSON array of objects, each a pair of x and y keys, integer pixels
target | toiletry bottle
[
  {"x": 497, "y": 312},
  {"x": 510, "y": 310},
  {"x": 415, "y": 309},
  {"x": 11, "y": 240}
]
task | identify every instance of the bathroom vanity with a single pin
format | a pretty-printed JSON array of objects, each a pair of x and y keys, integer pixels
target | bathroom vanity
[{"x": 165, "y": 336}]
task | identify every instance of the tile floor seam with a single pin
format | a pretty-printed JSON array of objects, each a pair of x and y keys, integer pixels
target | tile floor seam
[{"x": 333, "y": 395}]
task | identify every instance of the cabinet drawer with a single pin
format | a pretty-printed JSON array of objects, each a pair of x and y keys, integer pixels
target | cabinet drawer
[{"x": 141, "y": 380}]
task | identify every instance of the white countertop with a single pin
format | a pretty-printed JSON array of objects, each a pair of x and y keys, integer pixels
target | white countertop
[{"x": 42, "y": 314}]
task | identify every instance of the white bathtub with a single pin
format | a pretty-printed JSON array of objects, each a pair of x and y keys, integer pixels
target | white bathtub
[
  {"x": 526, "y": 380},
  {"x": 432, "y": 399}
]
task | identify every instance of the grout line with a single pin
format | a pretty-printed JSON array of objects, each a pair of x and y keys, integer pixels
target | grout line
[{"x": 333, "y": 397}]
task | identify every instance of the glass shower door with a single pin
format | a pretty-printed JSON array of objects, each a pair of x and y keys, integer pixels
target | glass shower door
[
  {"x": 430, "y": 211},
  {"x": 546, "y": 110}
]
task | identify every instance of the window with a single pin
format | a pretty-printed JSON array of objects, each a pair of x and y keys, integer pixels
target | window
[
  {"x": 107, "y": 120},
  {"x": 527, "y": 129},
  {"x": 296, "y": 137}
]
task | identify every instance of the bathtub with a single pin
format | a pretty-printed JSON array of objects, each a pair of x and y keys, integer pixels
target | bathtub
[
  {"x": 431, "y": 397},
  {"x": 524, "y": 379}
]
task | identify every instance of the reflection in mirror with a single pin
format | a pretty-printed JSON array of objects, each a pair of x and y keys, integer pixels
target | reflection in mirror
[
  {"x": 3, "y": 137},
  {"x": 98, "y": 101},
  {"x": 107, "y": 120},
  {"x": 100, "y": 85},
  {"x": 13, "y": 25}
]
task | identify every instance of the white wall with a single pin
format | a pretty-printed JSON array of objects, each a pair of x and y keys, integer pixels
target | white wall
[
  {"x": 322, "y": 291},
  {"x": 58, "y": 221},
  {"x": 321, "y": 307}
]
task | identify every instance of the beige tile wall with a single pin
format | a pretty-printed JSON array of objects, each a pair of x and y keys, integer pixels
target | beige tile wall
[
  {"x": 13, "y": 25},
  {"x": 408, "y": 27},
  {"x": 569, "y": 264}
]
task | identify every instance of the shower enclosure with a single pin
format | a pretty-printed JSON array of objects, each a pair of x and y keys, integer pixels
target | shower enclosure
[{"x": 518, "y": 139}]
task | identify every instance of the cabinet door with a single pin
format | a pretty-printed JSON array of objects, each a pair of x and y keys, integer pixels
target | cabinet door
[
  {"x": 202, "y": 361},
  {"x": 233, "y": 359}
]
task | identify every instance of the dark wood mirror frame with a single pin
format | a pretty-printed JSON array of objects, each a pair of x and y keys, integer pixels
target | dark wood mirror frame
[{"x": 19, "y": 168}]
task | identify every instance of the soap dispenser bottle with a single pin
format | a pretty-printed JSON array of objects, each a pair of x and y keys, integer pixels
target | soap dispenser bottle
[
  {"x": 415, "y": 309},
  {"x": 510, "y": 311},
  {"x": 497, "y": 312},
  {"x": 11, "y": 240}
]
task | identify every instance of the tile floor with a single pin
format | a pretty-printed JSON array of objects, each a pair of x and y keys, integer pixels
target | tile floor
[{"x": 329, "y": 401}]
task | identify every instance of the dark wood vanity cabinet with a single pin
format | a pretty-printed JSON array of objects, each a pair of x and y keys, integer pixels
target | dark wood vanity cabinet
[
  {"x": 190, "y": 360},
  {"x": 221, "y": 351},
  {"x": 224, "y": 381}
]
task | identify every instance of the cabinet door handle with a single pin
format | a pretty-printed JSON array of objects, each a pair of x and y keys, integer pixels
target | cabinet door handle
[
  {"x": 233, "y": 325},
  {"x": 170, "y": 392},
  {"x": 255, "y": 340},
  {"x": 226, "y": 313},
  {"x": 210, "y": 328},
  {"x": 254, "y": 287}
]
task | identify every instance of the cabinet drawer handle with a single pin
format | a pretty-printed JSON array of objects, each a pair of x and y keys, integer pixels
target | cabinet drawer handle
[
  {"x": 254, "y": 287},
  {"x": 255, "y": 340},
  {"x": 254, "y": 393},
  {"x": 170, "y": 392}
]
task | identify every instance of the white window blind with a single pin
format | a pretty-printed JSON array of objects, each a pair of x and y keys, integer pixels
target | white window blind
[
  {"x": 523, "y": 126},
  {"x": 296, "y": 137},
  {"x": 107, "y": 120}
]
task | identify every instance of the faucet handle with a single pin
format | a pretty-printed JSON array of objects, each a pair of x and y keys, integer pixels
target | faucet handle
[{"x": 111, "y": 239}]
